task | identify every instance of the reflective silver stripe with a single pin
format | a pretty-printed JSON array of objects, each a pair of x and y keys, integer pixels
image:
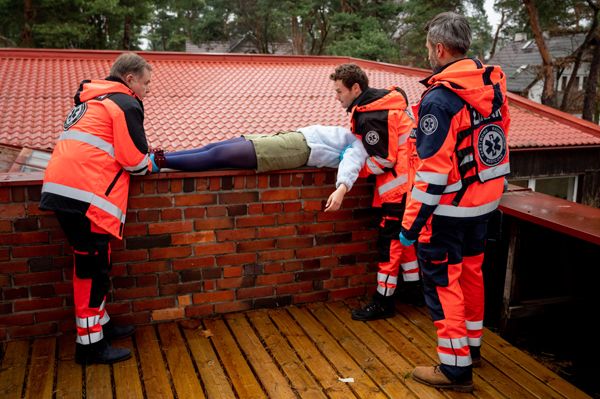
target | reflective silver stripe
[
  {"x": 383, "y": 162},
  {"x": 466, "y": 159},
  {"x": 386, "y": 291},
  {"x": 453, "y": 187},
  {"x": 104, "y": 319},
  {"x": 402, "y": 138},
  {"x": 496, "y": 171},
  {"x": 410, "y": 276},
  {"x": 474, "y": 341},
  {"x": 374, "y": 167},
  {"x": 85, "y": 196},
  {"x": 89, "y": 338},
  {"x": 101, "y": 308},
  {"x": 410, "y": 265},
  {"x": 88, "y": 139},
  {"x": 87, "y": 322},
  {"x": 453, "y": 343},
  {"x": 474, "y": 325},
  {"x": 425, "y": 198},
  {"x": 452, "y": 360},
  {"x": 386, "y": 284},
  {"x": 387, "y": 279},
  {"x": 142, "y": 166},
  {"x": 465, "y": 211},
  {"x": 439, "y": 179},
  {"x": 397, "y": 182}
]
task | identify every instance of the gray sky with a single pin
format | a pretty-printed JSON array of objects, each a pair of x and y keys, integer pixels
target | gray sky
[{"x": 493, "y": 16}]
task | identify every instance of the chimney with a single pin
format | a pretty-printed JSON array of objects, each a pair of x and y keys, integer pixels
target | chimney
[{"x": 520, "y": 36}]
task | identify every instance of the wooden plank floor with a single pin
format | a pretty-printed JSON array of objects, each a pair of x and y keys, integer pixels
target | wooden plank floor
[{"x": 293, "y": 352}]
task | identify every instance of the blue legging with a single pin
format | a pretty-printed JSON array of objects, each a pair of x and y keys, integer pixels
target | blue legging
[{"x": 237, "y": 153}]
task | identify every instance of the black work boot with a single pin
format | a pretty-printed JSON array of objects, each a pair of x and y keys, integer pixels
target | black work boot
[
  {"x": 411, "y": 293},
  {"x": 100, "y": 352},
  {"x": 113, "y": 332},
  {"x": 381, "y": 307}
]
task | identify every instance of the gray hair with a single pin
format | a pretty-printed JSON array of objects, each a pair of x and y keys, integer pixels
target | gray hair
[
  {"x": 128, "y": 63},
  {"x": 450, "y": 29}
]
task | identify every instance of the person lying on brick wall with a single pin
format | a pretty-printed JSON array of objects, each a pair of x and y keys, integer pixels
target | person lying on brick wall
[{"x": 317, "y": 146}]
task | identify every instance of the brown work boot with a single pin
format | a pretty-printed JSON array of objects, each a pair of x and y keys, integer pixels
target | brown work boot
[{"x": 433, "y": 376}]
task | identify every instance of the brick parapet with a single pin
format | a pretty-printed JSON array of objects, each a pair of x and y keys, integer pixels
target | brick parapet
[{"x": 195, "y": 244}]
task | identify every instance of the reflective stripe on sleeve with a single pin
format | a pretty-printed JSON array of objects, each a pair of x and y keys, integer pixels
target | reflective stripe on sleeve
[
  {"x": 397, "y": 182},
  {"x": 439, "y": 179},
  {"x": 425, "y": 198},
  {"x": 465, "y": 211},
  {"x": 374, "y": 167}
]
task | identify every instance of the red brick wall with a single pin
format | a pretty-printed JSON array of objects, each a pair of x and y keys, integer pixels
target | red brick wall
[{"x": 194, "y": 245}]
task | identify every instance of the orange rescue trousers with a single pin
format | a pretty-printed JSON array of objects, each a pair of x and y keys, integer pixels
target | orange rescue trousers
[{"x": 91, "y": 253}]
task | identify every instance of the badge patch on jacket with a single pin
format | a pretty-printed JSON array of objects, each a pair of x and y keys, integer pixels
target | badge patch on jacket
[
  {"x": 372, "y": 137},
  {"x": 75, "y": 115},
  {"x": 428, "y": 124},
  {"x": 491, "y": 145}
]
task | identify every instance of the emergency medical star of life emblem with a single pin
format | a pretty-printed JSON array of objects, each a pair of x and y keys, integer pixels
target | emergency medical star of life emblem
[
  {"x": 428, "y": 124},
  {"x": 491, "y": 145},
  {"x": 75, "y": 115},
  {"x": 372, "y": 137}
]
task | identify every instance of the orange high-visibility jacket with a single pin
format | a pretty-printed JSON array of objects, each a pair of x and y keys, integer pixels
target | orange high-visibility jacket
[
  {"x": 461, "y": 139},
  {"x": 379, "y": 119},
  {"x": 102, "y": 143}
]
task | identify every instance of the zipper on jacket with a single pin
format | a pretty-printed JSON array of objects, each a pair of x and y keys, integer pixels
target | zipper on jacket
[{"x": 112, "y": 184}]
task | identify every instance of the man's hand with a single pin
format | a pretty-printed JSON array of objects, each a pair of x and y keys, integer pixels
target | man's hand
[{"x": 334, "y": 202}]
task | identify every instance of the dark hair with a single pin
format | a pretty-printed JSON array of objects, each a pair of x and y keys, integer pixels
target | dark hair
[
  {"x": 450, "y": 29},
  {"x": 350, "y": 74},
  {"x": 129, "y": 63}
]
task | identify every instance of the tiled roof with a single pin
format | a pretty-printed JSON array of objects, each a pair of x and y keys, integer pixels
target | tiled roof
[{"x": 199, "y": 98}]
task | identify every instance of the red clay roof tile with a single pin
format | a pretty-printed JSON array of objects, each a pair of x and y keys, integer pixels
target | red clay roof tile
[{"x": 200, "y": 98}]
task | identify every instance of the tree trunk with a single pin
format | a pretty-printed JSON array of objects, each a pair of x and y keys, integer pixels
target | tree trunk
[
  {"x": 297, "y": 36},
  {"x": 579, "y": 55},
  {"x": 26, "y": 32},
  {"x": 127, "y": 33},
  {"x": 548, "y": 93},
  {"x": 497, "y": 34},
  {"x": 590, "y": 99}
]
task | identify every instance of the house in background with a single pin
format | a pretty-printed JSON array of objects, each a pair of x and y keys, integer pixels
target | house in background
[
  {"x": 521, "y": 59},
  {"x": 244, "y": 45},
  {"x": 197, "y": 99}
]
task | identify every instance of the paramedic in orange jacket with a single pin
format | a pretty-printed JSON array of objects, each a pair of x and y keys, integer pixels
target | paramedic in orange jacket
[
  {"x": 461, "y": 139},
  {"x": 379, "y": 119},
  {"x": 87, "y": 183}
]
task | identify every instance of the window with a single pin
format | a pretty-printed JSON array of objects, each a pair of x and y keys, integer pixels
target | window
[{"x": 564, "y": 187}]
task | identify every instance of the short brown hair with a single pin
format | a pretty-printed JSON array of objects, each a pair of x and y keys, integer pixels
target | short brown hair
[
  {"x": 129, "y": 63},
  {"x": 350, "y": 74}
]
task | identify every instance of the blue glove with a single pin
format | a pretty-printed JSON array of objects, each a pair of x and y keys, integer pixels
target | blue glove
[
  {"x": 344, "y": 151},
  {"x": 405, "y": 241},
  {"x": 155, "y": 167}
]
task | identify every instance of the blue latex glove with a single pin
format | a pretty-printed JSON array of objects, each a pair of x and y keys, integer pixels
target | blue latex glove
[
  {"x": 344, "y": 151},
  {"x": 405, "y": 241},
  {"x": 155, "y": 167}
]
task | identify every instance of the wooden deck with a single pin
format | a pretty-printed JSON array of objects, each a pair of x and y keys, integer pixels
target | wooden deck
[{"x": 293, "y": 352}]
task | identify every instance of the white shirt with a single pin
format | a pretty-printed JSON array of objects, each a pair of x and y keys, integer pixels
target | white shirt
[{"x": 327, "y": 143}]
